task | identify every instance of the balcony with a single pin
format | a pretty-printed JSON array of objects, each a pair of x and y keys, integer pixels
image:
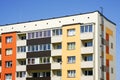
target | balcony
[
  {"x": 39, "y": 67},
  {"x": 56, "y": 78},
  {"x": 24, "y": 78},
  {"x": 39, "y": 78},
  {"x": 86, "y": 78},
  {"x": 85, "y": 50},
  {"x": 21, "y": 55},
  {"x": 85, "y": 36},
  {"x": 56, "y": 52},
  {"x": 55, "y": 39},
  {"x": 21, "y": 68},
  {"x": 87, "y": 64},
  {"x": 55, "y": 66},
  {"x": 21, "y": 42}
]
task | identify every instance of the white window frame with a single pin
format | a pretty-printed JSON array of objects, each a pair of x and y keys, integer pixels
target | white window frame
[
  {"x": 71, "y": 73},
  {"x": 9, "y": 51},
  {"x": 8, "y": 64},
  {"x": 8, "y": 76},
  {"x": 71, "y": 59},
  {"x": 71, "y": 32},
  {"x": 9, "y": 39},
  {"x": 71, "y": 45},
  {"x": 21, "y": 74}
]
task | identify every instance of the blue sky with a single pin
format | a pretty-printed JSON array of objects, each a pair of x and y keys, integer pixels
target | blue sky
[{"x": 12, "y": 11}]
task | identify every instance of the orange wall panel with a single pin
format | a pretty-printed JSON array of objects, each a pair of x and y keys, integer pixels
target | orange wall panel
[{"x": 11, "y": 57}]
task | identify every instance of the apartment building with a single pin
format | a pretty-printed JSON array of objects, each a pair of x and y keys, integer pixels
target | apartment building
[{"x": 74, "y": 47}]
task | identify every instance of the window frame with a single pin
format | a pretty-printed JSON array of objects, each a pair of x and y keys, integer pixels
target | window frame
[
  {"x": 8, "y": 64},
  {"x": 8, "y": 51},
  {"x": 71, "y": 73},
  {"x": 71, "y": 59},
  {"x": 71, "y": 45},
  {"x": 9, "y": 39},
  {"x": 8, "y": 76},
  {"x": 71, "y": 32}
]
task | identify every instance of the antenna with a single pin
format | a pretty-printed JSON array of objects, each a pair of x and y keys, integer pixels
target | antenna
[{"x": 101, "y": 9}]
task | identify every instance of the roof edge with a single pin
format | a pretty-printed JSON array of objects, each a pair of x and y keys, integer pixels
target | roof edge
[{"x": 59, "y": 17}]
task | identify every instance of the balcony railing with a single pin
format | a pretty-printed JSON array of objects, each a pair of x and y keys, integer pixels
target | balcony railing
[
  {"x": 86, "y": 78},
  {"x": 87, "y": 64},
  {"x": 85, "y": 50},
  {"x": 56, "y": 52},
  {"x": 55, "y": 39},
  {"x": 84, "y": 36},
  {"x": 56, "y": 66},
  {"x": 39, "y": 78}
]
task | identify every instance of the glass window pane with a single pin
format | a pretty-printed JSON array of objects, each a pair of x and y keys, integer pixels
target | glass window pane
[
  {"x": 82, "y": 29},
  {"x": 49, "y": 33},
  {"x": 40, "y": 34},
  {"x": 90, "y": 28},
  {"x": 86, "y": 28},
  {"x": 71, "y": 32},
  {"x": 60, "y": 31},
  {"x": 36, "y": 35}
]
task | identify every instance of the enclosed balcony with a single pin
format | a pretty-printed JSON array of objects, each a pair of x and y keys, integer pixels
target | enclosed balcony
[
  {"x": 21, "y": 65},
  {"x": 38, "y": 75},
  {"x": 87, "y": 74},
  {"x": 86, "y": 46},
  {"x": 56, "y": 75}
]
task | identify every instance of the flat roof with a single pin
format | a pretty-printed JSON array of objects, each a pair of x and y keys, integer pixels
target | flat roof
[{"x": 60, "y": 17}]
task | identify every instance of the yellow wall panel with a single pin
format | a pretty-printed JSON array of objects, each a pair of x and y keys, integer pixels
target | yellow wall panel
[
  {"x": 65, "y": 52},
  {"x": 109, "y": 57},
  {"x": 109, "y": 31}
]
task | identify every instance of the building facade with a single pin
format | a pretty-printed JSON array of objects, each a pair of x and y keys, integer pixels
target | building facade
[{"x": 75, "y": 47}]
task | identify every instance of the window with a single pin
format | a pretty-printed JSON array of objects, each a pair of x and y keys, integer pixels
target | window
[
  {"x": 71, "y": 73},
  {"x": 57, "y": 46},
  {"x": 29, "y": 36},
  {"x": 23, "y": 62},
  {"x": 71, "y": 32},
  {"x": 41, "y": 47},
  {"x": 71, "y": 46},
  {"x": 47, "y": 33},
  {"x": 35, "y": 47},
  {"x": 21, "y": 49},
  {"x": 9, "y": 39},
  {"x": 111, "y": 45},
  {"x": 9, "y": 51},
  {"x": 36, "y": 34},
  {"x": 86, "y": 28},
  {"x": 31, "y": 61},
  {"x": 8, "y": 64},
  {"x": 87, "y": 57},
  {"x": 82, "y": 29},
  {"x": 88, "y": 43},
  {"x": 33, "y": 36},
  {"x": 21, "y": 74},
  {"x": 88, "y": 72},
  {"x": 56, "y": 32},
  {"x": 41, "y": 34},
  {"x": 44, "y": 60},
  {"x": 40, "y": 74},
  {"x": 112, "y": 70},
  {"x": 8, "y": 76},
  {"x": 90, "y": 28},
  {"x": 22, "y": 36},
  {"x": 57, "y": 73},
  {"x": 71, "y": 59}
]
